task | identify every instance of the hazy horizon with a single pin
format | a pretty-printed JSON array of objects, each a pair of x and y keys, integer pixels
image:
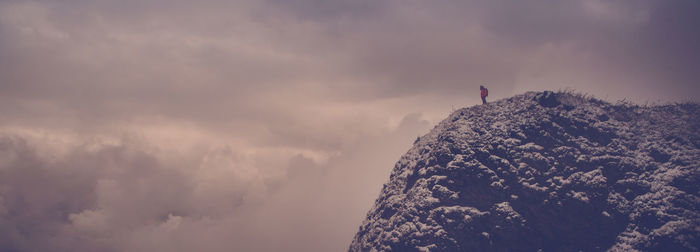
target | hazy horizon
[{"x": 272, "y": 125}]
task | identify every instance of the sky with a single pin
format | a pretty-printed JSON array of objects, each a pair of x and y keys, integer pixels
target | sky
[{"x": 271, "y": 125}]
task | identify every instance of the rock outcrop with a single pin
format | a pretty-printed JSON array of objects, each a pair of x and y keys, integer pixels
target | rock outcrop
[{"x": 545, "y": 171}]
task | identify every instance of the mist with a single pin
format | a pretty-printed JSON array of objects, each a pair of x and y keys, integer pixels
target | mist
[{"x": 272, "y": 125}]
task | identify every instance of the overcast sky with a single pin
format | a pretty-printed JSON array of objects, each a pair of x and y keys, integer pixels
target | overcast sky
[{"x": 154, "y": 125}]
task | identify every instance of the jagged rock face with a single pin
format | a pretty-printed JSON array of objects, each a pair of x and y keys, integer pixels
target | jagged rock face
[{"x": 530, "y": 173}]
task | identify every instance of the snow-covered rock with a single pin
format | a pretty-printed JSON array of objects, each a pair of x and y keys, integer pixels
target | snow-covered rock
[{"x": 545, "y": 171}]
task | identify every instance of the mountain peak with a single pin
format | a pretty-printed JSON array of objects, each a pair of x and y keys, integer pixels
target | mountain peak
[{"x": 543, "y": 170}]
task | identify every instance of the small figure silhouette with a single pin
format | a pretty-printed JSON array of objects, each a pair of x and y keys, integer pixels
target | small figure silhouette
[{"x": 484, "y": 93}]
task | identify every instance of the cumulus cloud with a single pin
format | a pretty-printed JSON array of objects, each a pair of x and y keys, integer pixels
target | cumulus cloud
[
  {"x": 126, "y": 194},
  {"x": 271, "y": 125}
]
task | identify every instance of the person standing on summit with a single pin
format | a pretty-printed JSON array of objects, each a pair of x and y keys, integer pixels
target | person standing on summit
[{"x": 484, "y": 93}]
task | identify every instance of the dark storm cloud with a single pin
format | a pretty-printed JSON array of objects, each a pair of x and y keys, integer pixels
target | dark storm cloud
[
  {"x": 334, "y": 10},
  {"x": 443, "y": 47},
  {"x": 220, "y": 125}
]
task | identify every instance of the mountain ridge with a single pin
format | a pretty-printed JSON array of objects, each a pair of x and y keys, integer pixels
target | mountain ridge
[{"x": 549, "y": 171}]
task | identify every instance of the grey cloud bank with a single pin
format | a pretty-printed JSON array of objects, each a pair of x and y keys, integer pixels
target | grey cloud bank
[{"x": 268, "y": 125}]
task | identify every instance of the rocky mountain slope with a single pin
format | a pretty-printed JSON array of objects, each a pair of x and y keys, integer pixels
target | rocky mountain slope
[{"x": 545, "y": 171}]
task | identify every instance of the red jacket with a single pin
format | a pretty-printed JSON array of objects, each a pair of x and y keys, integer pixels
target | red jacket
[{"x": 484, "y": 92}]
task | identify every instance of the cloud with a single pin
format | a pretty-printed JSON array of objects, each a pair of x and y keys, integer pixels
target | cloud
[
  {"x": 219, "y": 125},
  {"x": 128, "y": 195}
]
